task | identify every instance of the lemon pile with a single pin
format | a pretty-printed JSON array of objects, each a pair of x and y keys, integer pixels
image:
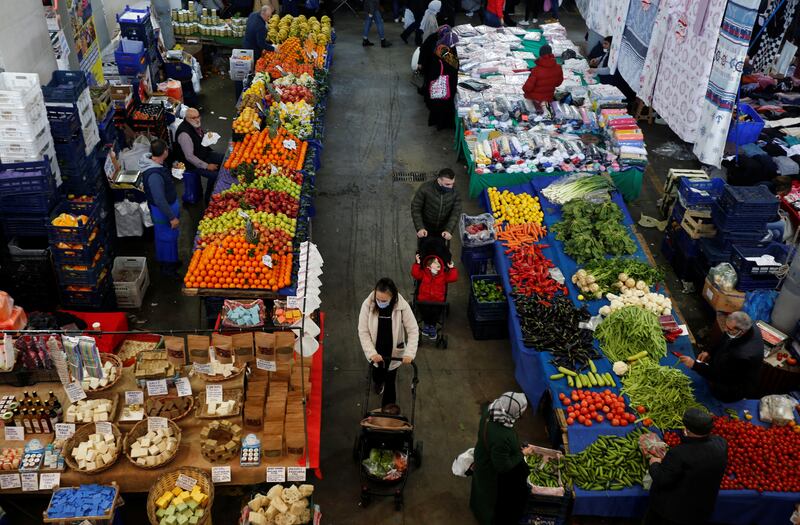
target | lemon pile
[
  {"x": 515, "y": 208},
  {"x": 281, "y": 28}
]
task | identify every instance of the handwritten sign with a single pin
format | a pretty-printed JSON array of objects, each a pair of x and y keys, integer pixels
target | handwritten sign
[
  {"x": 213, "y": 393},
  {"x": 276, "y": 474},
  {"x": 74, "y": 392},
  {"x": 64, "y": 430},
  {"x": 30, "y": 481},
  {"x": 103, "y": 427},
  {"x": 9, "y": 481},
  {"x": 266, "y": 260},
  {"x": 183, "y": 386},
  {"x": 295, "y": 474},
  {"x": 156, "y": 423},
  {"x": 202, "y": 368},
  {"x": 157, "y": 387},
  {"x": 269, "y": 366},
  {"x": 293, "y": 302},
  {"x": 134, "y": 397},
  {"x": 15, "y": 433},
  {"x": 186, "y": 482},
  {"x": 220, "y": 474},
  {"x": 49, "y": 480}
]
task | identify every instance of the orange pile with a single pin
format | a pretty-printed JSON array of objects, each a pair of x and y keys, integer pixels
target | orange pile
[
  {"x": 235, "y": 263},
  {"x": 264, "y": 150},
  {"x": 291, "y": 57},
  {"x": 315, "y": 52}
]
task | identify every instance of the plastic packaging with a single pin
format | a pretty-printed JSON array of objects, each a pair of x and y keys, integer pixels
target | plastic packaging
[
  {"x": 777, "y": 409},
  {"x": 476, "y": 230},
  {"x": 6, "y": 305},
  {"x": 724, "y": 276}
]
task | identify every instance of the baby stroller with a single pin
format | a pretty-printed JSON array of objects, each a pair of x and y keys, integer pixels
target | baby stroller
[
  {"x": 384, "y": 447},
  {"x": 427, "y": 248}
]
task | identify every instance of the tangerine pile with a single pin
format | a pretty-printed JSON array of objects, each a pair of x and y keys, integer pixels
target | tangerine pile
[
  {"x": 262, "y": 149},
  {"x": 235, "y": 263},
  {"x": 290, "y": 57}
]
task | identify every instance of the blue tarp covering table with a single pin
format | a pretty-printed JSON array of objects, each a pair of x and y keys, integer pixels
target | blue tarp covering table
[{"x": 533, "y": 369}]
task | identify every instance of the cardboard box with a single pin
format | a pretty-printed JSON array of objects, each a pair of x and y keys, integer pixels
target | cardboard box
[
  {"x": 121, "y": 92},
  {"x": 241, "y": 63},
  {"x": 720, "y": 300}
]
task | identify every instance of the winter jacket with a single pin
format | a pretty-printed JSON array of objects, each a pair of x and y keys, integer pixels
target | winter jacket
[
  {"x": 159, "y": 187},
  {"x": 544, "y": 79},
  {"x": 735, "y": 366},
  {"x": 686, "y": 482},
  {"x": 433, "y": 288},
  {"x": 255, "y": 36},
  {"x": 435, "y": 210},
  {"x": 405, "y": 331},
  {"x": 496, "y": 7}
]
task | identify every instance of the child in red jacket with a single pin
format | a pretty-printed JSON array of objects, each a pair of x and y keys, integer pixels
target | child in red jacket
[
  {"x": 433, "y": 279},
  {"x": 544, "y": 78}
]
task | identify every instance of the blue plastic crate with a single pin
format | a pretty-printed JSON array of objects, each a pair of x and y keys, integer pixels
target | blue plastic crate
[
  {"x": 483, "y": 330},
  {"x": 746, "y": 283},
  {"x": 84, "y": 255},
  {"x": 495, "y": 310},
  {"x": 38, "y": 203},
  {"x": 177, "y": 70},
  {"x": 64, "y": 122},
  {"x": 72, "y": 234},
  {"x": 131, "y": 57},
  {"x": 88, "y": 182},
  {"x": 96, "y": 297},
  {"x": 25, "y": 225},
  {"x": 26, "y": 177},
  {"x": 685, "y": 243},
  {"x": 65, "y": 86},
  {"x": 107, "y": 129},
  {"x": 138, "y": 29},
  {"x": 749, "y": 199},
  {"x": 72, "y": 154},
  {"x": 744, "y": 267},
  {"x": 746, "y": 132},
  {"x": 699, "y": 192},
  {"x": 478, "y": 260},
  {"x": 742, "y": 224},
  {"x": 67, "y": 275}
]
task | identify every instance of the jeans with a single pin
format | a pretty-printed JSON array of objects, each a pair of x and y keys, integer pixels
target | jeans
[
  {"x": 380, "y": 375},
  {"x": 378, "y": 23},
  {"x": 554, "y": 8},
  {"x": 490, "y": 19},
  {"x": 398, "y": 9},
  {"x": 412, "y": 28},
  {"x": 211, "y": 176}
]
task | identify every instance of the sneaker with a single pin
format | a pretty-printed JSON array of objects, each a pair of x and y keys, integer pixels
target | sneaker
[
  {"x": 379, "y": 388},
  {"x": 469, "y": 14},
  {"x": 367, "y": 43},
  {"x": 397, "y": 21},
  {"x": 524, "y": 23},
  {"x": 385, "y": 43},
  {"x": 429, "y": 331}
]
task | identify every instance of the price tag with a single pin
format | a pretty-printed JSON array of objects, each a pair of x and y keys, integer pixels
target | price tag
[
  {"x": 295, "y": 473},
  {"x": 220, "y": 474},
  {"x": 294, "y": 303},
  {"x": 243, "y": 214},
  {"x": 15, "y": 433},
  {"x": 183, "y": 386},
  {"x": 134, "y": 397},
  {"x": 64, "y": 430},
  {"x": 49, "y": 480},
  {"x": 9, "y": 481},
  {"x": 157, "y": 387},
  {"x": 213, "y": 394},
  {"x": 269, "y": 366},
  {"x": 30, "y": 481},
  {"x": 202, "y": 368},
  {"x": 266, "y": 260},
  {"x": 276, "y": 474},
  {"x": 290, "y": 144},
  {"x": 186, "y": 482},
  {"x": 156, "y": 423},
  {"x": 103, "y": 427},
  {"x": 75, "y": 392}
]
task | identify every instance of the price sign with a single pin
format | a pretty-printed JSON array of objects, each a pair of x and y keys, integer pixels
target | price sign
[
  {"x": 15, "y": 433},
  {"x": 186, "y": 482},
  {"x": 269, "y": 366},
  {"x": 30, "y": 481},
  {"x": 9, "y": 481},
  {"x": 49, "y": 480},
  {"x": 202, "y": 368},
  {"x": 75, "y": 392},
  {"x": 134, "y": 397},
  {"x": 157, "y": 387},
  {"x": 290, "y": 144},
  {"x": 295, "y": 474},
  {"x": 85, "y": 522},
  {"x": 213, "y": 394},
  {"x": 294, "y": 302},
  {"x": 103, "y": 427},
  {"x": 183, "y": 386},
  {"x": 220, "y": 474},
  {"x": 266, "y": 260},
  {"x": 64, "y": 430},
  {"x": 156, "y": 423},
  {"x": 276, "y": 474}
]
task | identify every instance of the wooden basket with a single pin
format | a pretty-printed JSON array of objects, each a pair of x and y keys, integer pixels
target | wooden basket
[
  {"x": 104, "y": 357},
  {"x": 219, "y": 378},
  {"x": 139, "y": 430},
  {"x": 114, "y": 398},
  {"x": 80, "y": 436},
  {"x": 159, "y": 399},
  {"x": 167, "y": 482},
  {"x": 227, "y": 395},
  {"x": 106, "y": 519}
]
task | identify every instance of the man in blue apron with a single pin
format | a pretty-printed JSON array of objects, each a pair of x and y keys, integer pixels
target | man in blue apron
[{"x": 162, "y": 198}]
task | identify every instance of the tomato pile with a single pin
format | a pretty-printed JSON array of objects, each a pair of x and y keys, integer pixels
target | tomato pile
[
  {"x": 766, "y": 459},
  {"x": 586, "y": 408}
]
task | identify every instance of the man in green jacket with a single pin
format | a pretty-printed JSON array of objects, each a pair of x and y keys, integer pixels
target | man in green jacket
[{"x": 436, "y": 207}]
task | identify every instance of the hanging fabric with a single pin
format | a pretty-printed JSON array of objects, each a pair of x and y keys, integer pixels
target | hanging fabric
[
  {"x": 633, "y": 46},
  {"x": 655, "y": 51},
  {"x": 769, "y": 45},
  {"x": 723, "y": 85}
]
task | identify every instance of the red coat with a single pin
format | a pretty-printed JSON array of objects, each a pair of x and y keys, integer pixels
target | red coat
[
  {"x": 433, "y": 288},
  {"x": 544, "y": 79},
  {"x": 496, "y": 7}
]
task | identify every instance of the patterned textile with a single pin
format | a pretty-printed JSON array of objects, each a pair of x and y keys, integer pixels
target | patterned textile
[
  {"x": 606, "y": 17},
  {"x": 686, "y": 66},
  {"x": 726, "y": 72},
  {"x": 632, "y": 47},
  {"x": 655, "y": 50},
  {"x": 769, "y": 44}
]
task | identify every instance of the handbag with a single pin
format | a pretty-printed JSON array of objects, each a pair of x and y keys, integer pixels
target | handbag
[{"x": 439, "y": 89}]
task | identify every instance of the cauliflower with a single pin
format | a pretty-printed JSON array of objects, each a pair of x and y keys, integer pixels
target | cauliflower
[{"x": 620, "y": 368}]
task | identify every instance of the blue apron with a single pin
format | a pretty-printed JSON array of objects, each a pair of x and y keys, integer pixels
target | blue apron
[{"x": 166, "y": 236}]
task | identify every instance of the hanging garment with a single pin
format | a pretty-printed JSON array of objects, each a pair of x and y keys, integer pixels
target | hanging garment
[
  {"x": 769, "y": 45},
  {"x": 632, "y": 47},
  {"x": 655, "y": 50},
  {"x": 686, "y": 66},
  {"x": 726, "y": 71},
  {"x": 605, "y": 17}
]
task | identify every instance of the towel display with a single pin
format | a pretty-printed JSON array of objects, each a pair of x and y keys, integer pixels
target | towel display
[{"x": 631, "y": 49}]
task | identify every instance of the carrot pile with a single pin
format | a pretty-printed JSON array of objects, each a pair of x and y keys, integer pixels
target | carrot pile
[{"x": 513, "y": 235}]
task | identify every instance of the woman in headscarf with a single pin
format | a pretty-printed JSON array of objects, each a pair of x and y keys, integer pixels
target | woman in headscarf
[
  {"x": 499, "y": 489},
  {"x": 429, "y": 25},
  {"x": 438, "y": 57}
]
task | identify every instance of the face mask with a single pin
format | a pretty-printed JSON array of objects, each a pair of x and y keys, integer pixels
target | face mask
[
  {"x": 433, "y": 270},
  {"x": 383, "y": 304},
  {"x": 444, "y": 189},
  {"x": 732, "y": 336}
]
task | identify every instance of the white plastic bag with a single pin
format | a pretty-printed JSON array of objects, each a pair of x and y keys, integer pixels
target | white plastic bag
[
  {"x": 724, "y": 277},
  {"x": 463, "y": 463},
  {"x": 777, "y": 409},
  {"x": 128, "y": 216},
  {"x": 129, "y": 158},
  {"x": 147, "y": 219}
]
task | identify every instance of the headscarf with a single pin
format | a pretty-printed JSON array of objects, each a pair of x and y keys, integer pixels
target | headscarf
[
  {"x": 429, "y": 25},
  {"x": 508, "y": 408},
  {"x": 446, "y": 36}
]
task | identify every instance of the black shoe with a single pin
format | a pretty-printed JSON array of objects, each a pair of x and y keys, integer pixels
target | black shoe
[
  {"x": 385, "y": 43},
  {"x": 379, "y": 388},
  {"x": 367, "y": 43}
]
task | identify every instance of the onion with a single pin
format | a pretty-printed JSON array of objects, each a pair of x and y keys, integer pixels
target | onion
[
  {"x": 630, "y": 283},
  {"x": 623, "y": 277}
]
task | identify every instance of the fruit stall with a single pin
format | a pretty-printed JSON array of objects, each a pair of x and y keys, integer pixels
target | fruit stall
[
  {"x": 507, "y": 140},
  {"x": 595, "y": 338}
]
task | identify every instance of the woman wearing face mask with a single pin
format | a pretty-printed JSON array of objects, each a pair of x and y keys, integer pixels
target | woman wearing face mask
[{"x": 387, "y": 330}]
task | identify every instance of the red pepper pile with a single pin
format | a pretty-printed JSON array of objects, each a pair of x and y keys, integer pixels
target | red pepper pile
[
  {"x": 530, "y": 272},
  {"x": 585, "y": 407},
  {"x": 766, "y": 459}
]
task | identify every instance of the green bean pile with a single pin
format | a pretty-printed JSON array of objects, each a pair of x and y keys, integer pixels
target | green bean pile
[
  {"x": 610, "y": 463},
  {"x": 665, "y": 392},
  {"x": 630, "y": 330}
]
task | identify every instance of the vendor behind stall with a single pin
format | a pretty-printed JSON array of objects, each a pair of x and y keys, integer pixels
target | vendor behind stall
[
  {"x": 255, "y": 33},
  {"x": 198, "y": 158},
  {"x": 733, "y": 367}
]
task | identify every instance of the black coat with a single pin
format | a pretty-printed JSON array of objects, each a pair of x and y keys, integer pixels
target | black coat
[
  {"x": 734, "y": 368},
  {"x": 686, "y": 482}
]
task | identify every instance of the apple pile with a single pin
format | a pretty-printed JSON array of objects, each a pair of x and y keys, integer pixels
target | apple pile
[
  {"x": 295, "y": 93},
  {"x": 255, "y": 199}
]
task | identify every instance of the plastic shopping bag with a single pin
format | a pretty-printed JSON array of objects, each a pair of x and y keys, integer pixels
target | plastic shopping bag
[
  {"x": 147, "y": 219},
  {"x": 463, "y": 463}
]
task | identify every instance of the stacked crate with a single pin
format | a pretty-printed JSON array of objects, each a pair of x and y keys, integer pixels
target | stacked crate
[
  {"x": 135, "y": 26},
  {"x": 487, "y": 320}
]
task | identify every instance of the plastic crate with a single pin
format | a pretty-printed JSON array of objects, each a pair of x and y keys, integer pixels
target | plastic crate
[
  {"x": 72, "y": 234},
  {"x": 17, "y": 115},
  {"x": 478, "y": 260},
  {"x": 749, "y": 200},
  {"x": 131, "y": 57},
  {"x": 25, "y": 129},
  {"x": 699, "y": 192},
  {"x": 130, "y": 292},
  {"x": 744, "y": 223},
  {"x": 27, "y": 248},
  {"x": 107, "y": 129},
  {"x": 34, "y": 149},
  {"x": 68, "y": 275},
  {"x": 747, "y": 283},
  {"x": 64, "y": 123},
  {"x": 741, "y": 133},
  {"x": 38, "y": 203},
  {"x": 95, "y": 297},
  {"x": 72, "y": 153},
  {"x": 135, "y": 24},
  {"x": 25, "y": 225},
  {"x": 26, "y": 177},
  {"x": 484, "y": 330},
  {"x": 744, "y": 267},
  {"x": 88, "y": 183},
  {"x": 80, "y": 256},
  {"x": 496, "y": 310},
  {"x": 18, "y": 90},
  {"x": 65, "y": 86},
  {"x": 177, "y": 70}
]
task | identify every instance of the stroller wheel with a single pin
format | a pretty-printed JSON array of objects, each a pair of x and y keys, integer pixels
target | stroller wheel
[{"x": 416, "y": 454}]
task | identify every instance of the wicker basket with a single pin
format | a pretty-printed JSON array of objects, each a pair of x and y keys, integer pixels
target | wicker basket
[
  {"x": 201, "y": 408},
  {"x": 159, "y": 399},
  {"x": 79, "y": 437},
  {"x": 139, "y": 430},
  {"x": 220, "y": 378},
  {"x": 114, "y": 360},
  {"x": 167, "y": 482}
]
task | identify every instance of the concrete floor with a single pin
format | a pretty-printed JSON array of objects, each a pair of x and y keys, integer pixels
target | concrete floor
[{"x": 376, "y": 125}]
